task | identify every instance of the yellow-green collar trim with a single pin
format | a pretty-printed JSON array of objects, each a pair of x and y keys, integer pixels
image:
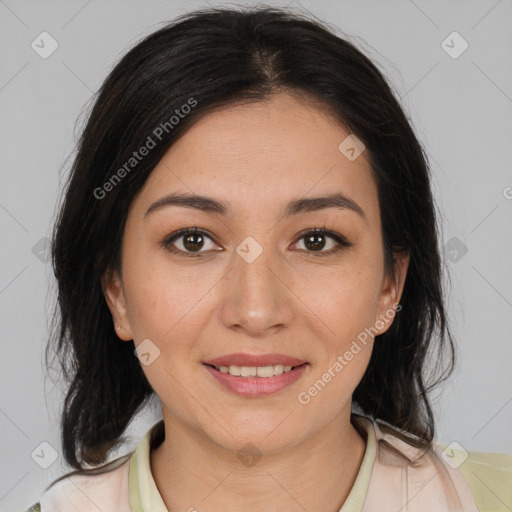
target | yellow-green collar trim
[
  {"x": 357, "y": 495},
  {"x": 143, "y": 492}
]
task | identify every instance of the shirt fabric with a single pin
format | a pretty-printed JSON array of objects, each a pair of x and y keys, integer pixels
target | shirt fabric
[{"x": 453, "y": 480}]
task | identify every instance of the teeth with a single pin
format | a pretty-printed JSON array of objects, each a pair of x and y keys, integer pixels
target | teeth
[{"x": 253, "y": 371}]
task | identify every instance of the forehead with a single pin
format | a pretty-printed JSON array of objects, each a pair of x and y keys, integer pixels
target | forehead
[{"x": 260, "y": 155}]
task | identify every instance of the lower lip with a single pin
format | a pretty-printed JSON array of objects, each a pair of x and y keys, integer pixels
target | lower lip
[{"x": 257, "y": 386}]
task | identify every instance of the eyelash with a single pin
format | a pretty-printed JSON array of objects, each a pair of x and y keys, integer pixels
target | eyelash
[{"x": 341, "y": 240}]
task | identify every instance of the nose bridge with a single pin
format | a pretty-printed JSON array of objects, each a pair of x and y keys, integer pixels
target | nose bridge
[
  {"x": 254, "y": 261},
  {"x": 256, "y": 299}
]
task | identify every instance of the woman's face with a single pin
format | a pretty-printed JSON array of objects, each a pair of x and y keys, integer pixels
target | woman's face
[{"x": 255, "y": 280}]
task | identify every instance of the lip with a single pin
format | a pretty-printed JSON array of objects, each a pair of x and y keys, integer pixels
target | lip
[
  {"x": 257, "y": 386},
  {"x": 243, "y": 359}
]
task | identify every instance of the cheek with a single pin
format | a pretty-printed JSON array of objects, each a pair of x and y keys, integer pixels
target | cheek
[
  {"x": 332, "y": 384},
  {"x": 168, "y": 311},
  {"x": 164, "y": 309},
  {"x": 349, "y": 311},
  {"x": 156, "y": 298},
  {"x": 347, "y": 298}
]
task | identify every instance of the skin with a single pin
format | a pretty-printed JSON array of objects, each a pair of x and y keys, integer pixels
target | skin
[{"x": 257, "y": 157}]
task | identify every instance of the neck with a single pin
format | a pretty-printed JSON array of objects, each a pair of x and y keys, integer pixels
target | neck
[{"x": 193, "y": 473}]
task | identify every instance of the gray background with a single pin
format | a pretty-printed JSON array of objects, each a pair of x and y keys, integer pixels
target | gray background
[{"x": 460, "y": 108}]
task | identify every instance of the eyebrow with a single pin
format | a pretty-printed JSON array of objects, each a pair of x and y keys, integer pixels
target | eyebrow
[{"x": 294, "y": 207}]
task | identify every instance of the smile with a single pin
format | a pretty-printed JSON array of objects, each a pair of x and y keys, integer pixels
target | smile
[
  {"x": 256, "y": 381},
  {"x": 255, "y": 371}
]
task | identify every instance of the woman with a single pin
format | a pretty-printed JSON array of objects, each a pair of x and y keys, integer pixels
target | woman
[{"x": 250, "y": 207}]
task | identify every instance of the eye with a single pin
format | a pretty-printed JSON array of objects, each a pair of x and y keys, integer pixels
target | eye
[
  {"x": 192, "y": 240},
  {"x": 315, "y": 239}
]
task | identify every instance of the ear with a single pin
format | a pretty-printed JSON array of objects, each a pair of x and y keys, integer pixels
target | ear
[
  {"x": 112, "y": 286},
  {"x": 392, "y": 288}
]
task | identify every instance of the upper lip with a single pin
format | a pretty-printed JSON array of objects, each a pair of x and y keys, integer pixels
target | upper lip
[{"x": 241, "y": 359}]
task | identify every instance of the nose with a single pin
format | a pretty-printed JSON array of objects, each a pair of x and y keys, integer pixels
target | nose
[{"x": 256, "y": 294}]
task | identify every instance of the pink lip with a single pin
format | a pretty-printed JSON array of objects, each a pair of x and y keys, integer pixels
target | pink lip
[
  {"x": 241, "y": 359},
  {"x": 257, "y": 386}
]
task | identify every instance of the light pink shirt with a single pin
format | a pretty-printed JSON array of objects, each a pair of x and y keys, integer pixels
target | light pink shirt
[{"x": 386, "y": 481}]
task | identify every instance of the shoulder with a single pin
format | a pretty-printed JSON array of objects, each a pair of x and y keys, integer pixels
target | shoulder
[
  {"x": 105, "y": 489},
  {"x": 490, "y": 477},
  {"x": 446, "y": 475}
]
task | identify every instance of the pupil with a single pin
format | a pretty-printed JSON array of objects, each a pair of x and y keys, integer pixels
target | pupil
[
  {"x": 310, "y": 242},
  {"x": 191, "y": 245}
]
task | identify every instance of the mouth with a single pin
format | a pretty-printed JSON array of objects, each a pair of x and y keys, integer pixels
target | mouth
[
  {"x": 255, "y": 381},
  {"x": 263, "y": 372}
]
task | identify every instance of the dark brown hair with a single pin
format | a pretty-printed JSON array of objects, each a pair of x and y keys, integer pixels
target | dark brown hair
[{"x": 218, "y": 57}]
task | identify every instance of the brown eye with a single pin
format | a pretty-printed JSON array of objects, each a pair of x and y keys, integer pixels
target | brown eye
[
  {"x": 193, "y": 241},
  {"x": 187, "y": 241},
  {"x": 315, "y": 241}
]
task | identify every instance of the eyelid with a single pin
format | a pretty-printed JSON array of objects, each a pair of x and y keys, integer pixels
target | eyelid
[
  {"x": 338, "y": 237},
  {"x": 342, "y": 242},
  {"x": 175, "y": 235}
]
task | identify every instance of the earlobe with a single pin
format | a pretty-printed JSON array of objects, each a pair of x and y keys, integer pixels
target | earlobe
[{"x": 114, "y": 296}]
